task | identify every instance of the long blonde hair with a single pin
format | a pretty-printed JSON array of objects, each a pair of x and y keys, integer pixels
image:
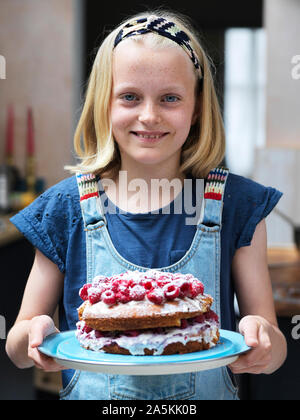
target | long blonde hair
[{"x": 93, "y": 140}]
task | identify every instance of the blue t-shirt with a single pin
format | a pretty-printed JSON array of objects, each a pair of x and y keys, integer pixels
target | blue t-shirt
[{"x": 53, "y": 224}]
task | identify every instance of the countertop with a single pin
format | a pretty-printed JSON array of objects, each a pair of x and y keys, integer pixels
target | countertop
[
  {"x": 284, "y": 268},
  {"x": 8, "y": 232}
]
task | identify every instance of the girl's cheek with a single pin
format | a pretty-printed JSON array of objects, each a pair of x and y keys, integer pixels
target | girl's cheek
[{"x": 121, "y": 117}]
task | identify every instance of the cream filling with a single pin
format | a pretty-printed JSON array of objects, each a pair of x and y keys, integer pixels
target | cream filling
[{"x": 201, "y": 332}]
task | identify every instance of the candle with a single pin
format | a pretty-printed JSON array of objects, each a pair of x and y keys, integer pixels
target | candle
[
  {"x": 30, "y": 159},
  {"x": 30, "y": 133},
  {"x": 9, "y": 149}
]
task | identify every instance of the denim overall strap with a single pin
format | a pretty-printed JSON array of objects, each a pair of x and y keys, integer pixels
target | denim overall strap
[
  {"x": 92, "y": 213},
  {"x": 213, "y": 196},
  {"x": 89, "y": 199}
]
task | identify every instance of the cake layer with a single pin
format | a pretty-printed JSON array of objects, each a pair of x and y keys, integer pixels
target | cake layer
[
  {"x": 142, "y": 314},
  {"x": 194, "y": 337}
]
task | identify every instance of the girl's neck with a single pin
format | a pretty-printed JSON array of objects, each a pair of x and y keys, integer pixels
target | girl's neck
[
  {"x": 136, "y": 188},
  {"x": 148, "y": 174},
  {"x": 168, "y": 169}
]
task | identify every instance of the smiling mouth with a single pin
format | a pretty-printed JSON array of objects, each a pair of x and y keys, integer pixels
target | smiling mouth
[{"x": 149, "y": 136}]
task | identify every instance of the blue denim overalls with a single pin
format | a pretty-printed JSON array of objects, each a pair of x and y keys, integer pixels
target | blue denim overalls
[{"x": 202, "y": 260}]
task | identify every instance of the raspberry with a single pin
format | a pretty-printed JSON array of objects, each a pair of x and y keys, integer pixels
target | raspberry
[
  {"x": 163, "y": 277},
  {"x": 171, "y": 291},
  {"x": 109, "y": 297},
  {"x": 212, "y": 316},
  {"x": 184, "y": 289},
  {"x": 115, "y": 286},
  {"x": 87, "y": 329},
  {"x": 95, "y": 297},
  {"x": 148, "y": 284},
  {"x": 137, "y": 292},
  {"x": 199, "y": 319},
  {"x": 123, "y": 289},
  {"x": 125, "y": 282},
  {"x": 123, "y": 297},
  {"x": 184, "y": 324},
  {"x": 163, "y": 280},
  {"x": 99, "y": 279},
  {"x": 159, "y": 330},
  {"x": 156, "y": 296},
  {"x": 83, "y": 292},
  {"x": 196, "y": 288},
  {"x": 131, "y": 333}
]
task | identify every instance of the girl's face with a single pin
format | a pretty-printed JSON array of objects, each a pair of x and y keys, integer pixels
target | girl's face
[{"x": 152, "y": 103}]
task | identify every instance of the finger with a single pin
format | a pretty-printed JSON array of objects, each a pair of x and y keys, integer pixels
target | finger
[
  {"x": 249, "y": 328},
  {"x": 257, "y": 359},
  {"x": 36, "y": 333},
  {"x": 41, "y": 327},
  {"x": 256, "y": 370},
  {"x": 249, "y": 359},
  {"x": 246, "y": 366},
  {"x": 264, "y": 340},
  {"x": 35, "y": 338},
  {"x": 44, "y": 362},
  {"x": 261, "y": 354}
]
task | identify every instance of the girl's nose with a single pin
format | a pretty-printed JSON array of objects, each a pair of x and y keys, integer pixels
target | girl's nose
[{"x": 149, "y": 114}]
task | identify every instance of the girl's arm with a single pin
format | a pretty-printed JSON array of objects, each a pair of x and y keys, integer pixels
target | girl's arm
[
  {"x": 34, "y": 321},
  {"x": 254, "y": 294}
]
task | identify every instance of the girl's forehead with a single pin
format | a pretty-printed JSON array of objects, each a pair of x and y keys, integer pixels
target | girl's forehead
[{"x": 135, "y": 60}]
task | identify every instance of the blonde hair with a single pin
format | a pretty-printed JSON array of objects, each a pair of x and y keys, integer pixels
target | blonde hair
[{"x": 93, "y": 140}]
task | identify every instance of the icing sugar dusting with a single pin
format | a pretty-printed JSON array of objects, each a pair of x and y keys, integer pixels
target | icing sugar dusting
[{"x": 144, "y": 308}]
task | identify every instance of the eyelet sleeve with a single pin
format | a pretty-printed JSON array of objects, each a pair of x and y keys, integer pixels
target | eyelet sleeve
[
  {"x": 255, "y": 204},
  {"x": 47, "y": 222}
]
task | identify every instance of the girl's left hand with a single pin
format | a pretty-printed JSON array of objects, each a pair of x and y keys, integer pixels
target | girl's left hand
[{"x": 257, "y": 332}]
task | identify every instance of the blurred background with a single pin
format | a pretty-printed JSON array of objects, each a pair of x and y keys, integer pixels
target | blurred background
[{"x": 47, "y": 49}]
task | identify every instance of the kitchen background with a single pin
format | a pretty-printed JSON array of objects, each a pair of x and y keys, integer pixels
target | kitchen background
[{"x": 46, "y": 51}]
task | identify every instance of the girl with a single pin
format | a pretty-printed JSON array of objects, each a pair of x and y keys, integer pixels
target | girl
[{"x": 150, "y": 112}]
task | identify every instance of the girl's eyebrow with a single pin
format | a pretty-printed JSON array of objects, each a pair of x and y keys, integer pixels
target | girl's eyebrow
[{"x": 164, "y": 89}]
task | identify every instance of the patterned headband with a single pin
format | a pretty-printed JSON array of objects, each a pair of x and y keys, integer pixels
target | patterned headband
[{"x": 162, "y": 27}]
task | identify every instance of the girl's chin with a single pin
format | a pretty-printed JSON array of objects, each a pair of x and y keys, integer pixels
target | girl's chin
[{"x": 149, "y": 158}]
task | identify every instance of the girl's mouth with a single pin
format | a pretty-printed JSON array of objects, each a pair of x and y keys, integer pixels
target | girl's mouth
[{"x": 149, "y": 137}]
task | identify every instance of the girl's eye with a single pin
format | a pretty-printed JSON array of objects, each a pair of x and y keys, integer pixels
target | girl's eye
[
  {"x": 129, "y": 97},
  {"x": 171, "y": 98}
]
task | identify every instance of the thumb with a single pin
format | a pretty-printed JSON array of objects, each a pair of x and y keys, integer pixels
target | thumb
[
  {"x": 41, "y": 327},
  {"x": 249, "y": 328}
]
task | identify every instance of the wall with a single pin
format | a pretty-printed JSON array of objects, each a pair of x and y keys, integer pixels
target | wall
[
  {"x": 37, "y": 39},
  {"x": 283, "y": 91},
  {"x": 277, "y": 164}
]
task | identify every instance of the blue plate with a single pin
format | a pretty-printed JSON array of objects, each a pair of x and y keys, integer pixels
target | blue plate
[{"x": 66, "y": 350}]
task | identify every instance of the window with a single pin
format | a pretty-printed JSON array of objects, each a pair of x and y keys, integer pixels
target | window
[{"x": 244, "y": 101}]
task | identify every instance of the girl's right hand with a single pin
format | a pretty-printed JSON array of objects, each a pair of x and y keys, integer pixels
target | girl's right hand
[{"x": 40, "y": 327}]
